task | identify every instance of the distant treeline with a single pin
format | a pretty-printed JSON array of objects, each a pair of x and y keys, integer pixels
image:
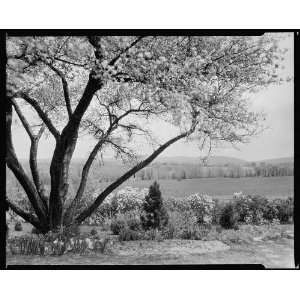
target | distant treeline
[
  {"x": 188, "y": 171},
  {"x": 176, "y": 171}
]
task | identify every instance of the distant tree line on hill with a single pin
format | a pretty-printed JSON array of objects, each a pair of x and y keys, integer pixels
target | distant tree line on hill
[
  {"x": 188, "y": 171},
  {"x": 156, "y": 171}
]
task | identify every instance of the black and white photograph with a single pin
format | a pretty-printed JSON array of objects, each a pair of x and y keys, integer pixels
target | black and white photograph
[{"x": 149, "y": 148}]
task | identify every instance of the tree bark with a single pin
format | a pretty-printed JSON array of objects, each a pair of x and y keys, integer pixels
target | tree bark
[
  {"x": 65, "y": 146},
  {"x": 35, "y": 173}
]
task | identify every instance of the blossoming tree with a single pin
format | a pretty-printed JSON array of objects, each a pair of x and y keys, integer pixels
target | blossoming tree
[{"x": 108, "y": 85}]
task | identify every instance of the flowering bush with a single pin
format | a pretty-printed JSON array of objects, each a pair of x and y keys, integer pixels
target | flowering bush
[
  {"x": 253, "y": 209},
  {"x": 177, "y": 204},
  {"x": 126, "y": 200},
  {"x": 129, "y": 199},
  {"x": 203, "y": 206}
]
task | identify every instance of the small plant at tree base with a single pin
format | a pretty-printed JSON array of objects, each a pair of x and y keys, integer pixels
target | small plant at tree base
[
  {"x": 18, "y": 226},
  {"x": 155, "y": 214},
  {"x": 229, "y": 217}
]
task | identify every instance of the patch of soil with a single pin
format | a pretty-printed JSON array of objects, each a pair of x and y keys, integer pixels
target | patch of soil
[{"x": 169, "y": 247}]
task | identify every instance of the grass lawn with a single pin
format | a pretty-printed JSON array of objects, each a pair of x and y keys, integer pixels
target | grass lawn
[{"x": 221, "y": 187}]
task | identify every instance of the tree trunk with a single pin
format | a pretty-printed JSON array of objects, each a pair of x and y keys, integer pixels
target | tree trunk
[{"x": 65, "y": 146}]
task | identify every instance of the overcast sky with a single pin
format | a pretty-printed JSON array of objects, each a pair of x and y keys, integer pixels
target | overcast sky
[{"x": 277, "y": 141}]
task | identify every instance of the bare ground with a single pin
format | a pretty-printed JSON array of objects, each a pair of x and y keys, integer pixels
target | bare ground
[{"x": 272, "y": 254}]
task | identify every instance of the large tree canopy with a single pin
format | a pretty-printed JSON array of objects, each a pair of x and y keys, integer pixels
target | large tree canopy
[{"x": 108, "y": 86}]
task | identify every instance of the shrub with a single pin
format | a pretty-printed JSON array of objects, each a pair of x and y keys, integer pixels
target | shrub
[
  {"x": 152, "y": 234},
  {"x": 270, "y": 212},
  {"x": 203, "y": 206},
  {"x": 258, "y": 210},
  {"x": 229, "y": 217},
  {"x": 285, "y": 209},
  {"x": 127, "y": 234},
  {"x": 217, "y": 211},
  {"x": 253, "y": 209},
  {"x": 117, "y": 225},
  {"x": 18, "y": 226},
  {"x": 133, "y": 223},
  {"x": 35, "y": 230},
  {"x": 242, "y": 206},
  {"x": 126, "y": 200},
  {"x": 130, "y": 220},
  {"x": 184, "y": 225},
  {"x": 154, "y": 212},
  {"x": 93, "y": 231}
]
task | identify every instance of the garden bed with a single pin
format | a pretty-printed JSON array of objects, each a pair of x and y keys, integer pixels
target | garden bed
[
  {"x": 272, "y": 254},
  {"x": 270, "y": 245}
]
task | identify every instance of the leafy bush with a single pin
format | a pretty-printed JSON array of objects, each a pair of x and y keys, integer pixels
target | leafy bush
[
  {"x": 130, "y": 220},
  {"x": 127, "y": 234},
  {"x": 252, "y": 209},
  {"x": 93, "y": 231},
  {"x": 217, "y": 211},
  {"x": 117, "y": 225},
  {"x": 229, "y": 217},
  {"x": 203, "y": 206},
  {"x": 184, "y": 225},
  {"x": 35, "y": 231},
  {"x": 18, "y": 226},
  {"x": 154, "y": 213},
  {"x": 258, "y": 210},
  {"x": 285, "y": 209},
  {"x": 126, "y": 200},
  {"x": 133, "y": 223},
  {"x": 270, "y": 212}
]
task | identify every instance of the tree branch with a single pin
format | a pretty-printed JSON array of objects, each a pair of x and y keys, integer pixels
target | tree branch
[
  {"x": 65, "y": 87},
  {"x": 23, "y": 119},
  {"x": 88, "y": 211},
  {"x": 33, "y": 153},
  {"x": 34, "y": 168},
  {"x": 34, "y": 103},
  {"x": 69, "y": 62},
  {"x": 84, "y": 177},
  {"x": 14, "y": 165},
  {"x": 25, "y": 215},
  {"x": 112, "y": 62}
]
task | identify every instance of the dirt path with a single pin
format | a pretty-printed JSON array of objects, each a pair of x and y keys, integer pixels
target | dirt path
[{"x": 272, "y": 254}]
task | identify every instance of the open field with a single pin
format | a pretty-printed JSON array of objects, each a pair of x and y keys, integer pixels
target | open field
[{"x": 221, "y": 187}]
